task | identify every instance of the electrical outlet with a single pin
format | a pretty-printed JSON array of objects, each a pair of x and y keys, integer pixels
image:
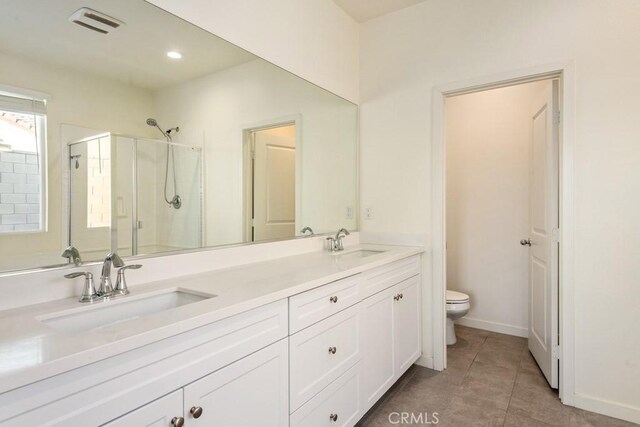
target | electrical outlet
[
  {"x": 349, "y": 212},
  {"x": 368, "y": 213}
]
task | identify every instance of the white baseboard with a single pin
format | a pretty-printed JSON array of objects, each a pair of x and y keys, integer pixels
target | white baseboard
[
  {"x": 425, "y": 361},
  {"x": 606, "y": 407},
  {"x": 487, "y": 325}
]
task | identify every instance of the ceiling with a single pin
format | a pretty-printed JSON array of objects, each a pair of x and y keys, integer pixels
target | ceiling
[
  {"x": 364, "y": 10},
  {"x": 134, "y": 54}
]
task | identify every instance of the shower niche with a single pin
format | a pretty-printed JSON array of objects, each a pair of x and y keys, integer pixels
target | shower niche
[{"x": 120, "y": 193}]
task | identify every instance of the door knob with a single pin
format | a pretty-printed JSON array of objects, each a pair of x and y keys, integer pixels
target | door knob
[
  {"x": 177, "y": 421},
  {"x": 196, "y": 411},
  {"x": 525, "y": 242}
]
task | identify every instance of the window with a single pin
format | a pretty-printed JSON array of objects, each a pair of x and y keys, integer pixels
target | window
[{"x": 22, "y": 165}]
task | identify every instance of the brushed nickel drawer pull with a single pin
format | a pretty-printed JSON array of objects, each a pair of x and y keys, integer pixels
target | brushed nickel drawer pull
[
  {"x": 332, "y": 350},
  {"x": 333, "y": 417},
  {"x": 196, "y": 411},
  {"x": 333, "y": 299}
]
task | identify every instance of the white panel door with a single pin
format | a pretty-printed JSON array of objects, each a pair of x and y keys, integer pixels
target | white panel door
[
  {"x": 543, "y": 240},
  {"x": 378, "y": 343},
  {"x": 253, "y": 391},
  {"x": 164, "y": 412},
  {"x": 406, "y": 313},
  {"x": 274, "y": 184}
]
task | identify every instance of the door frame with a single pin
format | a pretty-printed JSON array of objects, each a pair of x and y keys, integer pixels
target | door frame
[
  {"x": 247, "y": 168},
  {"x": 565, "y": 72}
]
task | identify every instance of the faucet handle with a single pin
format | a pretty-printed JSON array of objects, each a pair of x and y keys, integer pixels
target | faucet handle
[
  {"x": 89, "y": 293},
  {"x": 121, "y": 282}
]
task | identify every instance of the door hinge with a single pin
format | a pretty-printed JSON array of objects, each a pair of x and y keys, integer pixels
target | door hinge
[
  {"x": 555, "y": 352},
  {"x": 556, "y": 117},
  {"x": 253, "y": 222},
  {"x": 555, "y": 235},
  {"x": 253, "y": 155}
]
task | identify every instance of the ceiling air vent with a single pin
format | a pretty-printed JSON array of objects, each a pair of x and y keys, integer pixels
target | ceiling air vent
[{"x": 94, "y": 20}]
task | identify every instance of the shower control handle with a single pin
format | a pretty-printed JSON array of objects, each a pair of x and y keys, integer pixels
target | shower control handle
[{"x": 525, "y": 242}]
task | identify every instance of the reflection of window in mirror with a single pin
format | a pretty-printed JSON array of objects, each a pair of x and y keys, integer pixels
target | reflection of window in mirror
[
  {"x": 22, "y": 165},
  {"x": 99, "y": 183}
]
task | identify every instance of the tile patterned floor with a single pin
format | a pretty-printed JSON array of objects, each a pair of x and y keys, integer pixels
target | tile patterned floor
[{"x": 491, "y": 380}]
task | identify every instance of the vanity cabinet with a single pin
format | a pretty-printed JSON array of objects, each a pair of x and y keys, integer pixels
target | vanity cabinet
[
  {"x": 390, "y": 337},
  {"x": 318, "y": 358},
  {"x": 341, "y": 365}
]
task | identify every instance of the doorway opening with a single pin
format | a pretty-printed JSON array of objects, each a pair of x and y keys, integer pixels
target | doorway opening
[
  {"x": 270, "y": 182},
  {"x": 502, "y": 218}
]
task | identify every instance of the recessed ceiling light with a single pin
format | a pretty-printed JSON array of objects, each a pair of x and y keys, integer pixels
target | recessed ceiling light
[{"x": 174, "y": 55}]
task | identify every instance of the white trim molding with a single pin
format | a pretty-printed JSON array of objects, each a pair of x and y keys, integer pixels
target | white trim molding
[
  {"x": 487, "y": 325},
  {"x": 565, "y": 71}
]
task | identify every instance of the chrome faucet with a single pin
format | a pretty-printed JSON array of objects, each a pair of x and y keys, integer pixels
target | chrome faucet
[
  {"x": 73, "y": 255},
  {"x": 335, "y": 243},
  {"x": 105, "y": 289},
  {"x": 304, "y": 231}
]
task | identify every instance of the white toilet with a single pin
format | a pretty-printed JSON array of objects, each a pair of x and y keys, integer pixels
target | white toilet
[{"x": 457, "y": 307}]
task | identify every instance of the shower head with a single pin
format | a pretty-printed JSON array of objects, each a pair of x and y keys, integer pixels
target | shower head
[{"x": 152, "y": 122}]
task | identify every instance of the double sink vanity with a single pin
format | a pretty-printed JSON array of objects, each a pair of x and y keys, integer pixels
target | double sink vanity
[{"x": 306, "y": 340}]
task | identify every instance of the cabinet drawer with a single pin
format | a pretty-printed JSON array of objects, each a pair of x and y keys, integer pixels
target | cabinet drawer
[
  {"x": 322, "y": 352},
  {"x": 158, "y": 413},
  {"x": 388, "y": 275},
  {"x": 336, "y": 405},
  {"x": 309, "y": 307}
]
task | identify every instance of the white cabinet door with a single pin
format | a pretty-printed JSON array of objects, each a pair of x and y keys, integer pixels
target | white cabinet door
[
  {"x": 378, "y": 342},
  {"x": 253, "y": 391},
  {"x": 164, "y": 412},
  {"x": 406, "y": 312}
]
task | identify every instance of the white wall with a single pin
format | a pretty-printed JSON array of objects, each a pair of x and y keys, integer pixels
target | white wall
[
  {"x": 488, "y": 161},
  {"x": 249, "y": 95},
  {"x": 314, "y": 39},
  {"x": 405, "y": 54}
]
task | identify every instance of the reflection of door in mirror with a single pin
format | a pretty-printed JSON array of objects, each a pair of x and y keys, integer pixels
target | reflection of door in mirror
[{"x": 273, "y": 186}]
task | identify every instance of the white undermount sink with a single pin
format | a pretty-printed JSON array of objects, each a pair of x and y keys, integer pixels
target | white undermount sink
[
  {"x": 120, "y": 309},
  {"x": 360, "y": 253}
]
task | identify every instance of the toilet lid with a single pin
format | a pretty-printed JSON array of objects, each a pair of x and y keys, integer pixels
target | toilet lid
[{"x": 456, "y": 297}]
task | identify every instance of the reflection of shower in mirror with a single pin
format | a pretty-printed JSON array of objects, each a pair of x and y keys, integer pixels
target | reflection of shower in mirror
[
  {"x": 76, "y": 157},
  {"x": 176, "y": 200}
]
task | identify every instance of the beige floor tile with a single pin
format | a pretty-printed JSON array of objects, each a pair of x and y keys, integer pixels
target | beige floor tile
[
  {"x": 514, "y": 420},
  {"x": 504, "y": 359},
  {"x": 466, "y": 412},
  {"x": 539, "y": 403}
]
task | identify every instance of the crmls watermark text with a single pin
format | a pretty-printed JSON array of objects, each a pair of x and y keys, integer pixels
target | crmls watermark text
[{"x": 413, "y": 418}]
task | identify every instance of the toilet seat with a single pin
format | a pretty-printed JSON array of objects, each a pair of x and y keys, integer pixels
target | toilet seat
[{"x": 454, "y": 297}]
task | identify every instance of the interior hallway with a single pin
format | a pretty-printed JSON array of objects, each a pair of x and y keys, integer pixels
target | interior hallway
[{"x": 491, "y": 380}]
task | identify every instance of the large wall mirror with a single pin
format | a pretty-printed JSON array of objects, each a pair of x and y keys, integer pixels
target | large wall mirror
[{"x": 124, "y": 128}]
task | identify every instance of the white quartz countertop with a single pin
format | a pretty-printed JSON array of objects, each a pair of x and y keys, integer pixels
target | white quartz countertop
[{"x": 31, "y": 350}]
